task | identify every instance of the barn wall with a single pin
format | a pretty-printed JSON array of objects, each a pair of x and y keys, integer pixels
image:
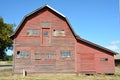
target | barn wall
[
  {"x": 84, "y": 59},
  {"x": 34, "y": 44},
  {"x": 89, "y": 60}
]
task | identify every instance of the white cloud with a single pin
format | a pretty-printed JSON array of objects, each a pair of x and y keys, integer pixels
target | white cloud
[
  {"x": 113, "y": 47},
  {"x": 115, "y": 42}
]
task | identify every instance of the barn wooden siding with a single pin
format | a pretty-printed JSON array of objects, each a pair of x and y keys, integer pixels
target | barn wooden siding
[
  {"x": 89, "y": 60},
  {"x": 53, "y": 39},
  {"x": 34, "y": 44}
]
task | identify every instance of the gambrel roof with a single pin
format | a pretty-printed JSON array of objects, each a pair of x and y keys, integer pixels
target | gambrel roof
[
  {"x": 78, "y": 39},
  {"x": 36, "y": 11}
]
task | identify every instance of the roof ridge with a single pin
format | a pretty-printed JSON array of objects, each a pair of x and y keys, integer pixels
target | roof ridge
[{"x": 54, "y": 10}]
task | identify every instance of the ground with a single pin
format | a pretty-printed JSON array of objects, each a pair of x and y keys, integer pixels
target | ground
[{"x": 7, "y": 75}]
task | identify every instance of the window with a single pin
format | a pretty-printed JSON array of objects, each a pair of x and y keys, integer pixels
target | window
[
  {"x": 18, "y": 54},
  {"x": 45, "y": 33},
  {"x": 22, "y": 54},
  {"x": 37, "y": 56},
  {"x": 29, "y": 32},
  {"x": 35, "y": 32},
  {"x": 104, "y": 59},
  {"x": 65, "y": 54},
  {"x": 32, "y": 32},
  {"x": 49, "y": 56},
  {"x": 46, "y": 24},
  {"x": 59, "y": 33},
  {"x": 25, "y": 54}
]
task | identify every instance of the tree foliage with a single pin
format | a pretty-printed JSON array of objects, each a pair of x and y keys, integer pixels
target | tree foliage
[{"x": 5, "y": 42}]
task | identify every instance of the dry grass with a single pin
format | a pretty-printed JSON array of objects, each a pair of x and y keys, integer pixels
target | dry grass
[
  {"x": 7, "y": 75},
  {"x": 5, "y": 62}
]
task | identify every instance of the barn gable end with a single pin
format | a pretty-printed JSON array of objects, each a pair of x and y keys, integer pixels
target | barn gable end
[
  {"x": 45, "y": 42},
  {"x": 35, "y": 13}
]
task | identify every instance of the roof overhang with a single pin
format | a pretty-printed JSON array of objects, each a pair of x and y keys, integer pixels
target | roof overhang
[{"x": 95, "y": 45}]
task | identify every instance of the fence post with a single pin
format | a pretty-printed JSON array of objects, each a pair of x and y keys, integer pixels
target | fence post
[{"x": 24, "y": 73}]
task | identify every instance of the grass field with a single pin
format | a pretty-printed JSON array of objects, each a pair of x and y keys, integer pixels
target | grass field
[
  {"x": 5, "y": 62},
  {"x": 7, "y": 75}
]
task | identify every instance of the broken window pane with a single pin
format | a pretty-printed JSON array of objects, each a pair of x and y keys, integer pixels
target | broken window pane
[
  {"x": 59, "y": 33},
  {"x": 103, "y": 59},
  {"x": 32, "y": 32},
  {"x": 23, "y": 54}
]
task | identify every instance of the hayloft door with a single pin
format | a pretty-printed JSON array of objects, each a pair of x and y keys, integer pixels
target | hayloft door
[{"x": 46, "y": 36}]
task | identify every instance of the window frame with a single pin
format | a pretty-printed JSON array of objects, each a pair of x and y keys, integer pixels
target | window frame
[
  {"x": 59, "y": 33},
  {"x": 49, "y": 56},
  {"x": 46, "y": 33},
  {"x": 37, "y": 56},
  {"x": 36, "y": 32},
  {"x": 65, "y": 54},
  {"x": 29, "y": 32},
  {"x": 104, "y": 59},
  {"x": 45, "y": 24},
  {"x": 26, "y": 54},
  {"x": 18, "y": 55},
  {"x": 32, "y": 32},
  {"x": 23, "y": 54}
]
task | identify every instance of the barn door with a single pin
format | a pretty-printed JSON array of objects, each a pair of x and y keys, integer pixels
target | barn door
[
  {"x": 86, "y": 63},
  {"x": 46, "y": 36}
]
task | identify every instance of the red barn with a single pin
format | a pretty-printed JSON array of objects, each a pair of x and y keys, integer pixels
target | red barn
[{"x": 45, "y": 42}]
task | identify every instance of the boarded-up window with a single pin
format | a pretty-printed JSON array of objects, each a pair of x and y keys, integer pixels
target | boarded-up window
[
  {"x": 37, "y": 56},
  {"x": 65, "y": 54},
  {"x": 23, "y": 54},
  {"x": 59, "y": 33},
  {"x": 32, "y": 32},
  {"x": 49, "y": 56},
  {"x": 104, "y": 59},
  {"x": 46, "y": 24}
]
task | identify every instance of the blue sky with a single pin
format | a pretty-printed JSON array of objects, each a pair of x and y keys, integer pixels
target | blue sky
[{"x": 97, "y": 21}]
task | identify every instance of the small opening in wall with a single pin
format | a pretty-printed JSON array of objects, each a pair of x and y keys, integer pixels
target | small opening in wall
[
  {"x": 104, "y": 59},
  {"x": 18, "y": 54}
]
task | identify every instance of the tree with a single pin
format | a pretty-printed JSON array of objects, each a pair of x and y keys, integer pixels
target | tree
[{"x": 5, "y": 42}]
